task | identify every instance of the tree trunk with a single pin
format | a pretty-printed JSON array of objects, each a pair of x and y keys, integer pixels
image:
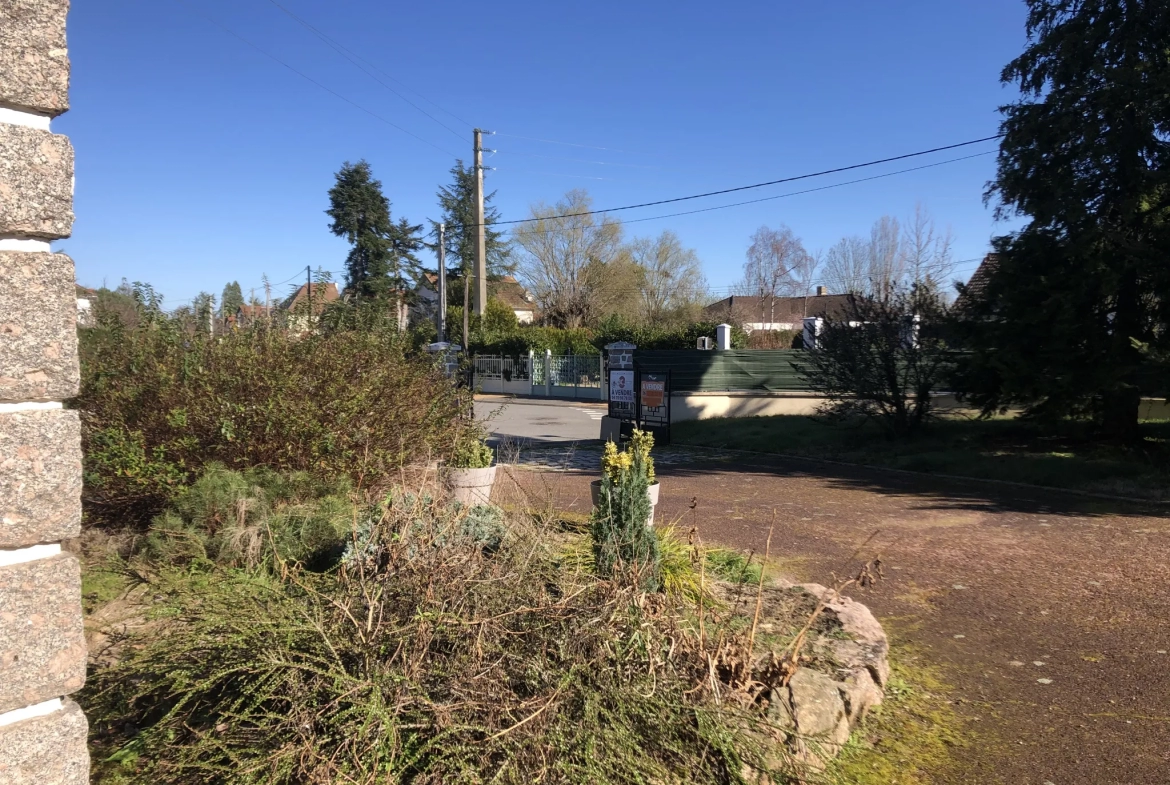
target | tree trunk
[
  {"x": 1119, "y": 414},
  {"x": 466, "y": 297},
  {"x": 1121, "y": 403}
]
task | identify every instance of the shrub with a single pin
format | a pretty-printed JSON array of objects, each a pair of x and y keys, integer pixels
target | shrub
[
  {"x": 586, "y": 341},
  {"x": 425, "y": 658},
  {"x": 651, "y": 336},
  {"x": 158, "y": 405},
  {"x": 775, "y": 339},
  {"x": 882, "y": 359},
  {"x": 623, "y": 544},
  {"x": 253, "y": 518},
  {"x": 471, "y": 451}
]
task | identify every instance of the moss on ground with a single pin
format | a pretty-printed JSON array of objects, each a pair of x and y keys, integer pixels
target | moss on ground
[
  {"x": 101, "y": 582},
  {"x": 910, "y": 738}
]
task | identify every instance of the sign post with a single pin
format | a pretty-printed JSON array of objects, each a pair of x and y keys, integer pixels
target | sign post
[
  {"x": 621, "y": 384},
  {"x": 654, "y": 405}
]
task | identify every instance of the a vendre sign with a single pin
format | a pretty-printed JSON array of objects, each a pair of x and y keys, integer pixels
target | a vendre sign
[{"x": 621, "y": 386}]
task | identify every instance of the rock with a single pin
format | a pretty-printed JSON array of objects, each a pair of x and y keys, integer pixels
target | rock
[
  {"x": 860, "y": 627},
  {"x": 841, "y": 677},
  {"x": 851, "y": 654},
  {"x": 780, "y": 710},
  {"x": 859, "y": 694},
  {"x": 822, "y": 726}
]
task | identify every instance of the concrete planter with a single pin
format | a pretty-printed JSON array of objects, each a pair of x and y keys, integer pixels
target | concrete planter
[
  {"x": 471, "y": 487},
  {"x": 652, "y": 492}
]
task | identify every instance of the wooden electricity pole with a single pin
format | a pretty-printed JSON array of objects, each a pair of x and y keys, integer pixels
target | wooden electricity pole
[{"x": 441, "y": 286}]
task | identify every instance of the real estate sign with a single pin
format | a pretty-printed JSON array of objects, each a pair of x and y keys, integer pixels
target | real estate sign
[
  {"x": 653, "y": 391},
  {"x": 621, "y": 386}
]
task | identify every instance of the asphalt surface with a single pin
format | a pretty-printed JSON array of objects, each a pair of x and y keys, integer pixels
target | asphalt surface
[
  {"x": 1049, "y": 614},
  {"x": 539, "y": 421}
]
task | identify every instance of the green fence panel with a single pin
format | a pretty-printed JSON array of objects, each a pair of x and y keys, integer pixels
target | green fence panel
[{"x": 715, "y": 371}]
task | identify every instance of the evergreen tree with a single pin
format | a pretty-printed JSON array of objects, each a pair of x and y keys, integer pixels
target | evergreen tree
[
  {"x": 203, "y": 309},
  {"x": 231, "y": 300},
  {"x": 383, "y": 252},
  {"x": 457, "y": 202},
  {"x": 1085, "y": 156}
]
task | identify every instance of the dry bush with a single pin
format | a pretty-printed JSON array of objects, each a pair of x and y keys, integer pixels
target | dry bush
[
  {"x": 158, "y": 404},
  {"x": 427, "y": 655}
]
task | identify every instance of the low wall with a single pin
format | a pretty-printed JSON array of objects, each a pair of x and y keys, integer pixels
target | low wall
[
  {"x": 708, "y": 405},
  {"x": 497, "y": 386},
  {"x": 1154, "y": 409},
  {"x": 568, "y": 391}
]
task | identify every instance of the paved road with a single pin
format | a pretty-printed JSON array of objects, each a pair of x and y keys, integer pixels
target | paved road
[
  {"x": 539, "y": 421},
  {"x": 1049, "y": 614}
]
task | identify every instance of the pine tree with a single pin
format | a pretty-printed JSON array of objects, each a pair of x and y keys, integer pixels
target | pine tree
[
  {"x": 457, "y": 202},
  {"x": 1086, "y": 157},
  {"x": 383, "y": 252},
  {"x": 231, "y": 300}
]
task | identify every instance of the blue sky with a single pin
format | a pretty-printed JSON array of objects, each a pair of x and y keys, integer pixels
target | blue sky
[{"x": 200, "y": 160}]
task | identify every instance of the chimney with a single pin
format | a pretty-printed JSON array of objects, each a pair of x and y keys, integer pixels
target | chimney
[{"x": 821, "y": 291}]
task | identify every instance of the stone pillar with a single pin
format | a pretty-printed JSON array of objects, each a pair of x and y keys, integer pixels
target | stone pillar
[
  {"x": 42, "y": 646},
  {"x": 619, "y": 356}
]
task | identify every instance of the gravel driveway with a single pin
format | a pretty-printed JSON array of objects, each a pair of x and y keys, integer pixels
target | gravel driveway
[{"x": 1049, "y": 613}]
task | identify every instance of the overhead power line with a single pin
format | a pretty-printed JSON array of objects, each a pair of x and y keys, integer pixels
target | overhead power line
[
  {"x": 568, "y": 144},
  {"x": 354, "y": 58},
  {"x": 552, "y": 174},
  {"x": 756, "y": 201},
  {"x": 578, "y": 160},
  {"x": 310, "y": 79},
  {"x": 736, "y": 189},
  {"x": 260, "y": 285}
]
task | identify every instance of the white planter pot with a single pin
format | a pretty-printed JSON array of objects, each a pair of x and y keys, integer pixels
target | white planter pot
[
  {"x": 471, "y": 487},
  {"x": 652, "y": 492}
]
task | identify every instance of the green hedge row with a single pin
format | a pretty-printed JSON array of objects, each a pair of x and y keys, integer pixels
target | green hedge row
[{"x": 587, "y": 340}]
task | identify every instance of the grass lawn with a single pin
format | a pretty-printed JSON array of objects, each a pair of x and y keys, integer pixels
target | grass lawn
[{"x": 997, "y": 449}]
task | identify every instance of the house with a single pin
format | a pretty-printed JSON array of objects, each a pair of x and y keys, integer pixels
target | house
[
  {"x": 506, "y": 289},
  {"x": 777, "y": 313},
  {"x": 85, "y": 300},
  {"x": 977, "y": 285},
  {"x": 248, "y": 315},
  {"x": 295, "y": 308},
  {"x": 321, "y": 294},
  {"x": 512, "y": 293}
]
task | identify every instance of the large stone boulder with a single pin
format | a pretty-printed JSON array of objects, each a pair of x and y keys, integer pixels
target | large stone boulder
[{"x": 842, "y": 673}]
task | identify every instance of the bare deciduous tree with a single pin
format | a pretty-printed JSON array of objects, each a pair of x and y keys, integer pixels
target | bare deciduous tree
[
  {"x": 672, "y": 276},
  {"x": 846, "y": 267},
  {"x": 928, "y": 253},
  {"x": 886, "y": 262},
  {"x": 777, "y": 266},
  {"x": 895, "y": 256},
  {"x": 565, "y": 255}
]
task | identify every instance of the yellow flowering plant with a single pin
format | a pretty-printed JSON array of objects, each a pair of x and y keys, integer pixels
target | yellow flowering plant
[{"x": 614, "y": 462}]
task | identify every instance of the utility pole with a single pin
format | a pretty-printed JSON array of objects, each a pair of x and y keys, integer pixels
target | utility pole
[
  {"x": 481, "y": 294},
  {"x": 441, "y": 285},
  {"x": 309, "y": 281}
]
